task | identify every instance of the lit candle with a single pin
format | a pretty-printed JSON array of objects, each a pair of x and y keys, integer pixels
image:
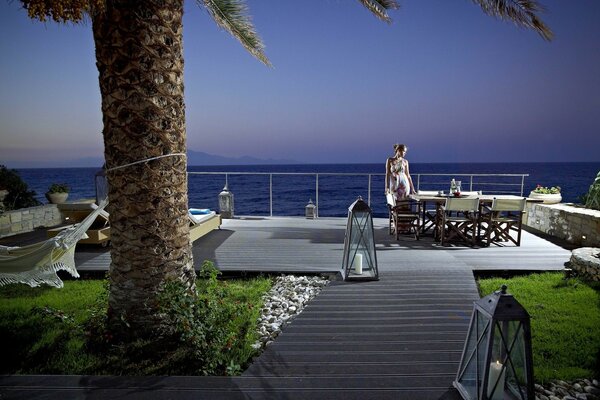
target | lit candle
[
  {"x": 357, "y": 264},
  {"x": 496, "y": 374}
]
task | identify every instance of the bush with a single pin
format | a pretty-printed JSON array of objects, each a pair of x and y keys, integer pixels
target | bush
[
  {"x": 19, "y": 195},
  {"x": 209, "y": 333},
  {"x": 58, "y": 188},
  {"x": 592, "y": 198}
]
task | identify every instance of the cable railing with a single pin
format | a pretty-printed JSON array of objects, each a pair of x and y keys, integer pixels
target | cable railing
[{"x": 328, "y": 186}]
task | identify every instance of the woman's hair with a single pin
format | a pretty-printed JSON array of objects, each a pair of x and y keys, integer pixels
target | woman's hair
[{"x": 398, "y": 146}]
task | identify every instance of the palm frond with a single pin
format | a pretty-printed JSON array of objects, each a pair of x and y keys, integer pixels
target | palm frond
[
  {"x": 379, "y": 7},
  {"x": 522, "y": 12},
  {"x": 232, "y": 15}
]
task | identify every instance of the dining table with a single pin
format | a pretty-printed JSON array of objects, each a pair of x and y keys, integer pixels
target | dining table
[{"x": 431, "y": 216}]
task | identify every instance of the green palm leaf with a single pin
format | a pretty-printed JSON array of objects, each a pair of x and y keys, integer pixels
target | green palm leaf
[
  {"x": 379, "y": 7},
  {"x": 521, "y": 12},
  {"x": 232, "y": 15}
]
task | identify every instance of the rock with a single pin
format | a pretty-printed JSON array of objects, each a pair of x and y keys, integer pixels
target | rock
[
  {"x": 581, "y": 396},
  {"x": 552, "y": 397},
  {"x": 592, "y": 390},
  {"x": 577, "y": 387},
  {"x": 538, "y": 388}
]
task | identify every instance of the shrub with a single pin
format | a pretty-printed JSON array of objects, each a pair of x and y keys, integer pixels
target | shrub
[
  {"x": 58, "y": 188},
  {"x": 546, "y": 190},
  {"x": 592, "y": 198},
  {"x": 19, "y": 195}
]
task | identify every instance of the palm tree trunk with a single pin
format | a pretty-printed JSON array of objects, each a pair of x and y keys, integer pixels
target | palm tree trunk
[{"x": 139, "y": 54}]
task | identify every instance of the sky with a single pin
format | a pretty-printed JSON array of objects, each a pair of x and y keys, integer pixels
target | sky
[{"x": 452, "y": 83}]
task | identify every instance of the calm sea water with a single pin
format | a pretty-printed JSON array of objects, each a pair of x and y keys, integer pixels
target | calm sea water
[{"x": 291, "y": 193}]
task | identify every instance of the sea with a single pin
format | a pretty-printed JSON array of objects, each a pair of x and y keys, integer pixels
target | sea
[{"x": 293, "y": 190}]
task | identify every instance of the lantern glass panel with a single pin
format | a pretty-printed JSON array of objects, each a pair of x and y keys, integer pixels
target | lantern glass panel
[
  {"x": 474, "y": 355},
  {"x": 509, "y": 351}
]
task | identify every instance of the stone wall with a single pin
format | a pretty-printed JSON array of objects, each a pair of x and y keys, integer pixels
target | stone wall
[
  {"x": 28, "y": 219},
  {"x": 575, "y": 224}
]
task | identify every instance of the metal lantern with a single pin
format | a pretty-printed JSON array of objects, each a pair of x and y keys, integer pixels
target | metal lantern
[
  {"x": 226, "y": 203},
  {"x": 497, "y": 360},
  {"x": 101, "y": 186},
  {"x": 360, "y": 260},
  {"x": 310, "y": 210}
]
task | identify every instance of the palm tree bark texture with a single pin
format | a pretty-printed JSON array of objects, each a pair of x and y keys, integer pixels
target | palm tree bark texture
[{"x": 139, "y": 55}]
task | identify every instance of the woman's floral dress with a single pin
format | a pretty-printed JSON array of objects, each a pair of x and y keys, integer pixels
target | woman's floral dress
[{"x": 399, "y": 184}]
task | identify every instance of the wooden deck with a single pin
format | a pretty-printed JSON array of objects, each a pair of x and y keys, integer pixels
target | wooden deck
[
  {"x": 298, "y": 245},
  {"x": 399, "y": 337}
]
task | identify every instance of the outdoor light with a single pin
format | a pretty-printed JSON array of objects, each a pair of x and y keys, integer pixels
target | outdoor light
[
  {"x": 101, "y": 186},
  {"x": 310, "y": 210},
  {"x": 226, "y": 203},
  {"x": 360, "y": 260},
  {"x": 497, "y": 361}
]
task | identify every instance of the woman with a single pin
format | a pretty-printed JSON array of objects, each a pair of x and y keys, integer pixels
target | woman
[{"x": 397, "y": 175}]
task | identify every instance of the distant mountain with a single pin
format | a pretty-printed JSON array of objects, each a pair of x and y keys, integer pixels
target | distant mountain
[
  {"x": 194, "y": 158},
  {"x": 201, "y": 158}
]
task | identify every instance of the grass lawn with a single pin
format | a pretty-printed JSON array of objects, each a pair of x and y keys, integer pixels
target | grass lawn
[
  {"x": 565, "y": 323},
  {"x": 44, "y": 329}
]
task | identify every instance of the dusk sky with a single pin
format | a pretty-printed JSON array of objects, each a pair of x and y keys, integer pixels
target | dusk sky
[{"x": 452, "y": 83}]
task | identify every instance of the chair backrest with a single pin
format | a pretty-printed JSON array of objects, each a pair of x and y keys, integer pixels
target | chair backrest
[
  {"x": 391, "y": 199},
  {"x": 458, "y": 204},
  {"x": 428, "y": 192},
  {"x": 508, "y": 204}
]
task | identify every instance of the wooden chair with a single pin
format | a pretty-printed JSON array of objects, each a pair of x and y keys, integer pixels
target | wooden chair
[
  {"x": 404, "y": 216},
  {"x": 460, "y": 220},
  {"x": 503, "y": 221}
]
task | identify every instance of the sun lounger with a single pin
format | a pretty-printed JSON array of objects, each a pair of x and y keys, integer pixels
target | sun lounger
[
  {"x": 99, "y": 230},
  {"x": 202, "y": 221}
]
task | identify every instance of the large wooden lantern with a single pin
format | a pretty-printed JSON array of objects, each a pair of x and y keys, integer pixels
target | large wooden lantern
[
  {"x": 497, "y": 359},
  {"x": 360, "y": 260}
]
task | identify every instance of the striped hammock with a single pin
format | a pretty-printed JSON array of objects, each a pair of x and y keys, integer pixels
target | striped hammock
[{"x": 38, "y": 263}]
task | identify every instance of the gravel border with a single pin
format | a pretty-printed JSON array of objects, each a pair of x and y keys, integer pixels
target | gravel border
[{"x": 286, "y": 299}]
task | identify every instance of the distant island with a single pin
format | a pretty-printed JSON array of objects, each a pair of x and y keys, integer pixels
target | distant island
[{"x": 195, "y": 158}]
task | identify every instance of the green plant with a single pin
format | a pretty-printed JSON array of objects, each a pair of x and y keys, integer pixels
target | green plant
[
  {"x": 565, "y": 322},
  {"x": 208, "y": 327},
  {"x": 66, "y": 332},
  {"x": 592, "y": 198},
  {"x": 545, "y": 190},
  {"x": 19, "y": 195},
  {"x": 58, "y": 188}
]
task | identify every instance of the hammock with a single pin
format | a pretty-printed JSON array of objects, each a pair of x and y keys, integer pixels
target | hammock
[{"x": 38, "y": 263}]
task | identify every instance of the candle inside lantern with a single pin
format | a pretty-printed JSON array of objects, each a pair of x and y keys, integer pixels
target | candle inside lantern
[
  {"x": 496, "y": 374},
  {"x": 357, "y": 264}
]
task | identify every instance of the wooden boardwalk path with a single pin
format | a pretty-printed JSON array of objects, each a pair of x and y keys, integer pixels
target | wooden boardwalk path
[{"x": 398, "y": 338}]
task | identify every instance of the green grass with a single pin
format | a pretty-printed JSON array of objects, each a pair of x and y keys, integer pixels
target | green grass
[
  {"x": 565, "y": 323},
  {"x": 43, "y": 330}
]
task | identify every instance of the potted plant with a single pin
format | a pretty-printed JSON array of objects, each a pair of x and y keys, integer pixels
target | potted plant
[
  {"x": 57, "y": 193},
  {"x": 549, "y": 195}
]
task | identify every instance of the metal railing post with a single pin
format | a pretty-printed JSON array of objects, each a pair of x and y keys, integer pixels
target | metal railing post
[
  {"x": 317, "y": 193},
  {"x": 369, "y": 192},
  {"x": 271, "y": 195},
  {"x": 471, "y": 184},
  {"x": 418, "y": 182},
  {"x": 522, "y": 184}
]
